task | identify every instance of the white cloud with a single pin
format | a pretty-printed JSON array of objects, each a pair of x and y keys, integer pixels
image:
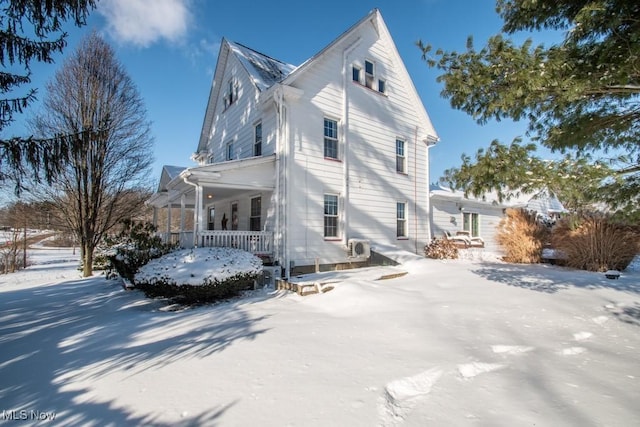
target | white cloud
[{"x": 143, "y": 22}]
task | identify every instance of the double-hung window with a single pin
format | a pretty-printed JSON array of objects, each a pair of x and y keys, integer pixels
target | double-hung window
[
  {"x": 256, "y": 212},
  {"x": 401, "y": 158},
  {"x": 330, "y": 139},
  {"x": 230, "y": 151},
  {"x": 368, "y": 74},
  {"x": 232, "y": 93},
  {"x": 257, "y": 140},
  {"x": 401, "y": 219},
  {"x": 330, "y": 215}
]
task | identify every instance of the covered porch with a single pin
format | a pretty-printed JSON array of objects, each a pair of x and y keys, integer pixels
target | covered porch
[{"x": 227, "y": 204}]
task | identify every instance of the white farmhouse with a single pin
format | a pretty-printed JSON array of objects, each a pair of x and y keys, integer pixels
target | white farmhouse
[{"x": 309, "y": 166}]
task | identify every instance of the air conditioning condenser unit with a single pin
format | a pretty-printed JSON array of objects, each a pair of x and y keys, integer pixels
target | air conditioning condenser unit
[{"x": 359, "y": 248}]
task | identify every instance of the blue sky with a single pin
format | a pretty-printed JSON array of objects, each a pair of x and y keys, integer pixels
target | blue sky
[{"x": 170, "y": 52}]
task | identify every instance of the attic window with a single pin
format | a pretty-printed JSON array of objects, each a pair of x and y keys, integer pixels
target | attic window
[
  {"x": 382, "y": 86},
  {"x": 231, "y": 95},
  {"x": 356, "y": 71},
  {"x": 367, "y": 77},
  {"x": 368, "y": 74},
  {"x": 257, "y": 141}
]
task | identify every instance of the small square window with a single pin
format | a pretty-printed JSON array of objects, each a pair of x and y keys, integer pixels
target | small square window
[
  {"x": 382, "y": 86},
  {"x": 368, "y": 67},
  {"x": 355, "y": 71}
]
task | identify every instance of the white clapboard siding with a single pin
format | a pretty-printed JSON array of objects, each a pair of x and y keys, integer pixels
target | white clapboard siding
[{"x": 374, "y": 122}]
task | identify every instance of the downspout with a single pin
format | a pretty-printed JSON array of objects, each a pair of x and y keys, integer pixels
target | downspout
[
  {"x": 280, "y": 231},
  {"x": 415, "y": 188},
  {"x": 431, "y": 141},
  {"x": 345, "y": 132}
]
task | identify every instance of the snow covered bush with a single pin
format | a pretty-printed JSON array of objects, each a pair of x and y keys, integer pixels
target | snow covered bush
[
  {"x": 199, "y": 275},
  {"x": 522, "y": 236},
  {"x": 595, "y": 242},
  {"x": 132, "y": 248},
  {"x": 441, "y": 249}
]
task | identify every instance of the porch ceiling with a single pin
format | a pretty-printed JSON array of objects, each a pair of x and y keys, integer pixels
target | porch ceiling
[{"x": 219, "y": 181}]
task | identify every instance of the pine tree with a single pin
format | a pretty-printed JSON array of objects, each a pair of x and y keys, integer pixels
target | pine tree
[
  {"x": 580, "y": 97},
  {"x": 31, "y": 31}
]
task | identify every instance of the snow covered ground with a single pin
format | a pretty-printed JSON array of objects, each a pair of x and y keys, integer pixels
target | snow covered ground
[{"x": 452, "y": 343}]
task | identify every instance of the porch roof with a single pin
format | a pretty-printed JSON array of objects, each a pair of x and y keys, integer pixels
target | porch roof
[{"x": 219, "y": 180}]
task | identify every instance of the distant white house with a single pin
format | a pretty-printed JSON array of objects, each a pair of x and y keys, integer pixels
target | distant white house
[
  {"x": 310, "y": 165},
  {"x": 453, "y": 213}
]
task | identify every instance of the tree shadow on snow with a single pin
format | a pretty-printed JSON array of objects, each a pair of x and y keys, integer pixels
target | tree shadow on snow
[
  {"x": 551, "y": 279},
  {"x": 625, "y": 312},
  {"x": 58, "y": 339}
]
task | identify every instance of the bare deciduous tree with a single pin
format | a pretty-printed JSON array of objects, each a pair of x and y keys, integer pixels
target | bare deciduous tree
[{"x": 109, "y": 169}]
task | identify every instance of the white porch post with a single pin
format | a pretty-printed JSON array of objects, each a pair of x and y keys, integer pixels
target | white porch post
[
  {"x": 197, "y": 215},
  {"x": 169, "y": 221},
  {"x": 154, "y": 221},
  {"x": 182, "y": 212}
]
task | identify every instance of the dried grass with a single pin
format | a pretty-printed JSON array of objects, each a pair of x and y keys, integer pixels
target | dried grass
[
  {"x": 522, "y": 236},
  {"x": 594, "y": 242}
]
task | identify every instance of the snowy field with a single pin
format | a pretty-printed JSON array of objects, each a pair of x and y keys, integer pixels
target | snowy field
[{"x": 452, "y": 343}]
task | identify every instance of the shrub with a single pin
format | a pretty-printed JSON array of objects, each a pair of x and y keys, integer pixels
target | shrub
[
  {"x": 211, "y": 290},
  {"x": 132, "y": 248},
  {"x": 595, "y": 242},
  {"x": 199, "y": 275},
  {"x": 441, "y": 249},
  {"x": 522, "y": 236}
]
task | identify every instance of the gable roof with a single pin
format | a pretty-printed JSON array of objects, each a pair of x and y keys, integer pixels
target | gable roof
[
  {"x": 263, "y": 71},
  {"x": 374, "y": 18},
  {"x": 167, "y": 175},
  {"x": 266, "y": 72}
]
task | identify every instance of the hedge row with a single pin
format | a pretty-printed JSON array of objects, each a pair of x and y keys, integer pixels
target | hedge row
[{"x": 211, "y": 290}]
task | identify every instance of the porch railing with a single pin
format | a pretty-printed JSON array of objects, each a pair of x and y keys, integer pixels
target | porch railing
[
  {"x": 183, "y": 239},
  {"x": 256, "y": 242}
]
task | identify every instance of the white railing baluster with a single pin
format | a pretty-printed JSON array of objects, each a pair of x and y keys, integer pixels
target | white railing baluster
[{"x": 257, "y": 242}]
